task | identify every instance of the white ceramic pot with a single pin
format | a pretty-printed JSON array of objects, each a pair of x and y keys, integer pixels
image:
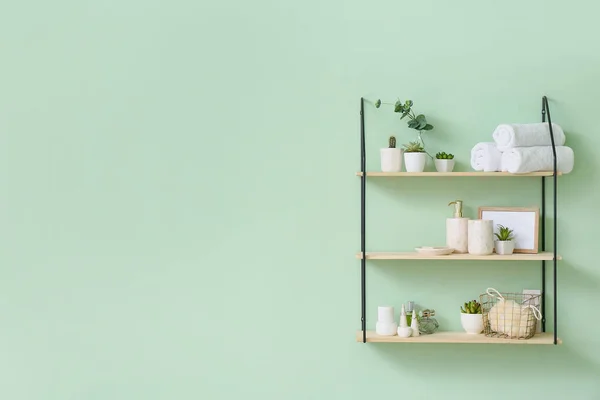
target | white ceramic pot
[
  {"x": 444, "y": 165},
  {"x": 481, "y": 237},
  {"x": 472, "y": 323},
  {"x": 415, "y": 162},
  {"x": 391, "y": 160},
  {"x": 505, "y": 246},
  {"x": 404, "y": 332},
  {"x": 386, "y": 328}
]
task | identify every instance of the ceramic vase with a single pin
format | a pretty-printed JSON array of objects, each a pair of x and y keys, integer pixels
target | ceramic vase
[{"x": 481, "y": 237}]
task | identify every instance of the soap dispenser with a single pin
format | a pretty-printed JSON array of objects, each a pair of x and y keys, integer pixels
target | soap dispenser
[{"x": 457, "y": 229}]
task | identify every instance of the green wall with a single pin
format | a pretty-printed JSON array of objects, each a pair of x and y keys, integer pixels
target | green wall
[{"x": 180, "y": 214}]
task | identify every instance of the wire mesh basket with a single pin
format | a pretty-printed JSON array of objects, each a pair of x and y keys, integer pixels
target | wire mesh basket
[{"x": 509, "y": 315}]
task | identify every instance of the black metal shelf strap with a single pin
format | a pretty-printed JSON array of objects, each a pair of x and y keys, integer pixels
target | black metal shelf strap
[
  {"x": 546, "y": 111},
  {"x": 363, "y": 188}
]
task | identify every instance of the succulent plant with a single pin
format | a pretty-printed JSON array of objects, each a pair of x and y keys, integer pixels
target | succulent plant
[
  {"x": 504, "y": 234},
  {"x": 414, "y": 147},
  {"x": 443, "y": 156},
  {"x": 472, "y": 307},
  {"x": 392, "y": 141}
]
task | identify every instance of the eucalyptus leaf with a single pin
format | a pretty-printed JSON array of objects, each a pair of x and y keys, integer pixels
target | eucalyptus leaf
[
  {"x": 421, "y": 118},
  {"x": 378, "y": 103},
  {"x": 398, "y": 107},
  {"x": 404, "y": 114},
  {"x": 428, "y": 127},
  {"x": 413, "y": 123}
]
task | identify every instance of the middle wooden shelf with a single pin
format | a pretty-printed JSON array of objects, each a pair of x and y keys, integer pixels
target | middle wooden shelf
[{"x": 541, "y": 256}]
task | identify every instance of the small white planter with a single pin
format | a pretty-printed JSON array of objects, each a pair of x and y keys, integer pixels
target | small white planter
[
  {"x": 391, "y": 160},
  {"x": 386, "y": 328},
  {"x": 472, "y": 323},
  {"x": 444, "y": 165},
  {"x": 415, "y": 162},
  {"x": 505, "y": 246}
]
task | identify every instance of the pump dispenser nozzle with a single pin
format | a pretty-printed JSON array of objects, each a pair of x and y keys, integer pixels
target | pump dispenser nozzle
[{"x": 457, "y": 208}]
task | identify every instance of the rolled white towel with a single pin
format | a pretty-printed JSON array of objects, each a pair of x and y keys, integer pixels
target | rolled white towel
[
  {"x": 485, "y": 156},
  {"x": 520, "y": 160},
  {"x": 508, "y": 136}
]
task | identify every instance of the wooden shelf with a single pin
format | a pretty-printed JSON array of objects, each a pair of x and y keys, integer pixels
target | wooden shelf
[
  {"x": 455, "y": 174},
  {"x": 545, "y": 255},
  {"x": 457, "y": 337}
]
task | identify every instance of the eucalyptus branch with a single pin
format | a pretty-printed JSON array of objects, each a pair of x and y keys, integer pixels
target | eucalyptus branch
[{"x": 416, "y": 122}]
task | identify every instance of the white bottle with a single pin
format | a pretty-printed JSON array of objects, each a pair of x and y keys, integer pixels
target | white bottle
[
  {"x": 404, "y": 330},
  {"x": 457, "y": 229},
  {"x": 414, "y": 324}
]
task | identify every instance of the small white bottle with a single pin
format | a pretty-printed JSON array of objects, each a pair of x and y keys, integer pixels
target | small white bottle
[
  {"x": 404, "y": 330},
  {"x": 414, "y": 324}
]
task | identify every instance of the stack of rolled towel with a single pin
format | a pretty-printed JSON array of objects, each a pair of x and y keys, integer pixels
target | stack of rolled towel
[{"x": 523, "y": 148}]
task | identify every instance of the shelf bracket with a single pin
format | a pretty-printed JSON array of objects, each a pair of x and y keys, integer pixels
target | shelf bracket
[
  {"x": 546, "y": 113},
  {"x": 363, "y": 186}
]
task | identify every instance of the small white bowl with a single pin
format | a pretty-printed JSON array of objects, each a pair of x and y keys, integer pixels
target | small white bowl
[
  {"x": 386, "y": 328},
  {"x": 404, "y": 332}
]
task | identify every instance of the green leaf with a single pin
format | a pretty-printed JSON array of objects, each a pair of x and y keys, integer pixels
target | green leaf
[
  {"x": 428, "y": 127},
  {"x": 398, "y": 107},
  {"x": 404, "y": 114},
  {"x": 413, "y": 123},
  {"x": 378, "y": 103},
  {"x": 421, "y": 117}
]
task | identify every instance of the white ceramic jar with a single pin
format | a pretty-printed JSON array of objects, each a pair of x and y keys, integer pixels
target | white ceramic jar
[
  {"x": 481, "y": 237},
  {"x": 391, "y": 160}
]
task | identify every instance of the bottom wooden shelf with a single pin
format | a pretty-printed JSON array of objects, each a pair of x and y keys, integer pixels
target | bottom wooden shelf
[{"x": 456, "y": 337}]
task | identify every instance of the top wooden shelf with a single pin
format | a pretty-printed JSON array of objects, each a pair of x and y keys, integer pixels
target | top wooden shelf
[{"x": 455, "y": 174}]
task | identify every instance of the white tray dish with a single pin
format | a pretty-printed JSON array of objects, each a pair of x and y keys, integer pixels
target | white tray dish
[{"x": 434, "y": 251}]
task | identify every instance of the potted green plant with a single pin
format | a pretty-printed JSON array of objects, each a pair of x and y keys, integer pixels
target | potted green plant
[
  {"x": 415, "y": 157},
  {"x": 444, "y": 162},
  {"x": 391, "y": 157},
  {"x": 416, "y": 122},
  {"x": 505, "y": 243},
  {"x": 471, "y": 317}
]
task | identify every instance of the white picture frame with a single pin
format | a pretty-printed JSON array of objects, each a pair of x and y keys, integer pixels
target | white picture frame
[{"x": 524, "y": 221}]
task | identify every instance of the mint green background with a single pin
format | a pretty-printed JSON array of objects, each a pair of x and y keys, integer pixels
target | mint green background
[{"x": 180, "y": 213}]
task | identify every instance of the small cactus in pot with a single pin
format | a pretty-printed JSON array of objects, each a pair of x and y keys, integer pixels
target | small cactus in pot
[
  {"x": 391, "y": 157},
  {"x": 392, "y": 142}
]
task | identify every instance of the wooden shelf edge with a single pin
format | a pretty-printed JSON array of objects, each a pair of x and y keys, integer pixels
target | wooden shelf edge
[
  {"x": 456, "y": 174},
  {"x": 546, "y": 338},
  {"x": 541, "y": 256}
]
